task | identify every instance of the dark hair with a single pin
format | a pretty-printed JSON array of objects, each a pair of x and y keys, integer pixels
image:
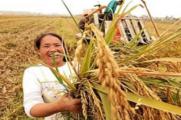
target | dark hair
[
  {"x": 119, "y": 2},
  {"x": 40, "y": 37}
]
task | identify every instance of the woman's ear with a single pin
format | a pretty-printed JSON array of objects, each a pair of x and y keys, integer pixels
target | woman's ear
[{"x": 38, "y": 52}]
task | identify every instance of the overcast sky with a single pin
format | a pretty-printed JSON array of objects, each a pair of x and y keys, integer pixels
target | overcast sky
[{"x": 158, "y": 8}]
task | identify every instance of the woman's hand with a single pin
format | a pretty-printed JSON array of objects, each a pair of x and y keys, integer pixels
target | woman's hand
[{"x": 67, "y": 103}]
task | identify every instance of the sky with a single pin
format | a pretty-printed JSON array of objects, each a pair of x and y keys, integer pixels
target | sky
[{"x": 158, "y": 8}]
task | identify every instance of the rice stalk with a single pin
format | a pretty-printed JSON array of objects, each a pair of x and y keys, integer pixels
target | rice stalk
[
  {"x": 96, "y": 101},
  {"x": 63, "y": 78},
  {"x": 79, "y": 51},
  {"x": 146, "y": 72},
  {"x": 108, "y": 75},
  {"x": 84, "y": 104},
  {"x": 165, "y": 59},
  {"x": 143, "y": 90},
  {"x": 152, "y": 48},
  {"x": 84, "y": 53},
  {"x": 168, "y": 64}
]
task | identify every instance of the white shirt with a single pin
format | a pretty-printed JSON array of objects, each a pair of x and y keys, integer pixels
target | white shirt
[{"x": 40, "y": 85}]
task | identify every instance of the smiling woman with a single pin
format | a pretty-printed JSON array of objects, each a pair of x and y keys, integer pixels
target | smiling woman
[
  {"x": 48, "y": 46},
  {"x": 44, "y": 96}
]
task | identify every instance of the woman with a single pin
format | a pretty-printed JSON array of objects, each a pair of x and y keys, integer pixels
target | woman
[{"x": 44, "y": 96}]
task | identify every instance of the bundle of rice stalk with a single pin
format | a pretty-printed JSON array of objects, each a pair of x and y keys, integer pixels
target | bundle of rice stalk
[
  {"x": 99, "y": 86},
  {"x": 109, "y": 104},
  {"x": 101, "y": 92},
  {"x": 108, "y": 77},
  {"x": 108, "y": 70},
  {"x": 135, "y": 56}
]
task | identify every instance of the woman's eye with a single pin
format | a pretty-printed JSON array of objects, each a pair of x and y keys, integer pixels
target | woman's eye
[
  {"x": 46, "y": 46},
  {"x": 58, "y": 45}
]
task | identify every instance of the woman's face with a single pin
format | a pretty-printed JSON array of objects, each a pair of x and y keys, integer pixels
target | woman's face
[{"x": 51, "y": 49}]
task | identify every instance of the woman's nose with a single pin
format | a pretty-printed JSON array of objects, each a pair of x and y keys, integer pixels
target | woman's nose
[{"x": 52, "y": 49}]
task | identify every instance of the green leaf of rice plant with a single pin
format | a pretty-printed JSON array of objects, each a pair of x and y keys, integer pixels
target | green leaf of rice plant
[
  {"x": 154, "y": 47},
  {"x": 64, "y": 79},
  {"x": 173, "y": 82},
  {"x": 111, "y": 31},
  {"x": 134, "y": 42},
  {"x": 140, "y": 100},
  {"x": 86, "y": 64},
  {"x": 106, "y": 105},
  {"x": 154, "y": 103},
  {"x": 102, "y": 91}
]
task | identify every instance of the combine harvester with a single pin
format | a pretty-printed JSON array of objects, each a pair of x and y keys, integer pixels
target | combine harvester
[{"x": 127, "y": 28}]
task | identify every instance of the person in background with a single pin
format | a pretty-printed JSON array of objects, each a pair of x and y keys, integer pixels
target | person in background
[
  {"x": 44, "y": 96},
  {"x": 111, "y": 8},
  {"x": 107, "y": 15},
  {"x": 86, "y": 19}
]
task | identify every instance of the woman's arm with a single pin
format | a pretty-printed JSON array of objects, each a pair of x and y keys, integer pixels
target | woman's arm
[
  {"x": 33, "y": 102},
  {"x": 65, "y": 103}
]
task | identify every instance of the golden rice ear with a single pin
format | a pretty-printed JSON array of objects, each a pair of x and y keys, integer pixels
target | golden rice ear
[{"x": 108, "y": 77}]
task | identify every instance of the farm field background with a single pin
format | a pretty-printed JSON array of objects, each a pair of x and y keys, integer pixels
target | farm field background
[{"x": 17, "y": 34}]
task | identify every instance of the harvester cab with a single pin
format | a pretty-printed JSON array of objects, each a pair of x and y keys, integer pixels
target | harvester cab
[{"x": 127, "y": 27}]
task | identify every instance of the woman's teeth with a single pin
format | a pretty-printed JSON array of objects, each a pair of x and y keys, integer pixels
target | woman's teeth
[{"x": 55, "y": 54}]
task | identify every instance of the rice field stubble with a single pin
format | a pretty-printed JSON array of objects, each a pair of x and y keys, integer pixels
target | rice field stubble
[{"x": 17, "y": 52}]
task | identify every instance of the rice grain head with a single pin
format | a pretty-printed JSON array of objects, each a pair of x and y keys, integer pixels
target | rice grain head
[{"x": 108, "y": 76}]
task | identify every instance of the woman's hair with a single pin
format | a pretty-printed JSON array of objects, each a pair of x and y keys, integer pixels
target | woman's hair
[{"x": 41, "y": 36}]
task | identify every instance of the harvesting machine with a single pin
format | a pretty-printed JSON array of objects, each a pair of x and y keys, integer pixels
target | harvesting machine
[{"x": 127, "y": 28}]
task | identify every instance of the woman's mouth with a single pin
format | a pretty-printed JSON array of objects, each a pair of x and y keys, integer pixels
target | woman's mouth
[{"x": 55, "y": 54}]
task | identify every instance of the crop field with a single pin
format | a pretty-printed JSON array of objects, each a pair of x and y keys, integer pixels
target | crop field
[{"x": 17, "y": 34}]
